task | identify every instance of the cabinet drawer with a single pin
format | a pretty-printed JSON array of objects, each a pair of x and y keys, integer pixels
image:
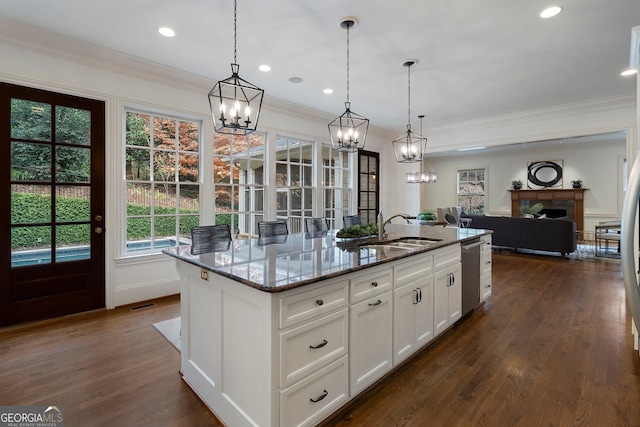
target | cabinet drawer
[
  {"x": 409, "y": 271},
  {"x": 307, "y": 305},
  {"x": 485, "y": 267},
  {"x": 310, "y": 346},
  {"x": 368, "y": 285},
  {"x": 445, "y": 257},
  {"x": 313, "y": 399}
]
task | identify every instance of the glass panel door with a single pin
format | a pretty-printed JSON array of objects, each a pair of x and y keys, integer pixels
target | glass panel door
[{"x": 54, "y": 146}]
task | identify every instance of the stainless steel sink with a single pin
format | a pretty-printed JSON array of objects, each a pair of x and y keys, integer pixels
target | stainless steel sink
[
  {"x": 387, "y": 248},
  {"x": 409, "y": 245},
  {"x": 401, "y": 244},
  {"x": 423, "y": 241}
]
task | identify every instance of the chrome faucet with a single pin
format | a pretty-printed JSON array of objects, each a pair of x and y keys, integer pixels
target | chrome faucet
[{"x": 382, "y": 233}]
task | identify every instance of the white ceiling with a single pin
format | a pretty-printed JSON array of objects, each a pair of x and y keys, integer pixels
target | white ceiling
[{"x": 476, "y": 59}]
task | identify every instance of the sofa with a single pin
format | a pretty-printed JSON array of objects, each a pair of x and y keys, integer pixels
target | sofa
[{"x": 551, "y": 235}]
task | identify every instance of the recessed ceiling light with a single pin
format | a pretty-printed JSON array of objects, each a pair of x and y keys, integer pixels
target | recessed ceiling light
[
  {"x": 629, "y": 72},
  {"x": 471, "y": 149},
  {"x": 327, "y": 91},
  {"x": 551, "y": 12},
  {"x": 166, "y": 31},
  {"x": 264, "y": 68},
  {"x": 295, "y": 79}
]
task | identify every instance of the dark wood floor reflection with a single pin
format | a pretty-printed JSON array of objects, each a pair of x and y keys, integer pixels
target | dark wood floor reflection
[{"x": 552, "y": 347}]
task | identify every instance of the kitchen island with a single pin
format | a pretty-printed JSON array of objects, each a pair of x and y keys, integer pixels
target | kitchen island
[{"x": 285, "y": 332}]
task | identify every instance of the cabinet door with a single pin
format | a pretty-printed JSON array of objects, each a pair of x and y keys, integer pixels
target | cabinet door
[
  {"x": 412, "y": 317},
  {"x": 442, "y": 281},
  {"x": 423, "y": 315},
  {"x": 447, "y": 297},
  {"x": 455, "y": 293},
  {"x": 404, "y": 300},
  {"x": 370, "y": 341}
]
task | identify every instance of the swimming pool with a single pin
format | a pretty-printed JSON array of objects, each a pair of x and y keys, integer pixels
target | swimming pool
[{"x": 74, "y": 253}]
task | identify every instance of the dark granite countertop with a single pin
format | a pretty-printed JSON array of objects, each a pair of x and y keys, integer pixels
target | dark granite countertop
[{"x": 287, "y": 262}]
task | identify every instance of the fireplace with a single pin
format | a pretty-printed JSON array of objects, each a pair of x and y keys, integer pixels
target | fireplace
[
  {"x": 555, "y": 202},
  {"x": 555, "y": 213}
]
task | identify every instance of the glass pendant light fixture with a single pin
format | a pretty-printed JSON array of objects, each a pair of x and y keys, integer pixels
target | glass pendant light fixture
[
  {"x": 234, "y": 102},
  {"x": 348, "y": 131},
  {"x": 409, "y": 147},
  {"x": 422, "y": 177}
]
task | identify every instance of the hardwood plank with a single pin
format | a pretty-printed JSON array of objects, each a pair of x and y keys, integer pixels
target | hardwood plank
[{"x": 552, "y": 346}]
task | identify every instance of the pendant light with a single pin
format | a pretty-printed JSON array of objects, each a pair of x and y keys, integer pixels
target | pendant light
[
  {"x": 409, "y": 147},
  {"x": 348, "y": 131},
  {"x": 422, "y": 177},
  {"x": 234, "y": 102}
]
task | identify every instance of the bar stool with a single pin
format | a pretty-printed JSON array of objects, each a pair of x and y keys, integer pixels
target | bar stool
[
  {"x": 314, "y": 225},
  {"x": 210, "y": 238},
  {"x": 351, "y": 220},
  {"x": 272, "y": 228}
]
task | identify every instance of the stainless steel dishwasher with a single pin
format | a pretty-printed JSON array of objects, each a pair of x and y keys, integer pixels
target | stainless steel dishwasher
[{"x": 470, "y": 275}]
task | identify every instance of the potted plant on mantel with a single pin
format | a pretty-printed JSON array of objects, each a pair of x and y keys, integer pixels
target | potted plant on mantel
[
  {"x": 516, "y": 184},
  {"x": 577, "y": 183}
]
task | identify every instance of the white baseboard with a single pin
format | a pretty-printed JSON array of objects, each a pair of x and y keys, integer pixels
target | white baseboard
[{"x": 145, "y": 291}]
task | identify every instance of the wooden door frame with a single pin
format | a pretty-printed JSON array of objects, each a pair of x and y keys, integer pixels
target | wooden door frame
[
  {"x": 95, "y": 296},
  {"x": 364, "y": 153}
]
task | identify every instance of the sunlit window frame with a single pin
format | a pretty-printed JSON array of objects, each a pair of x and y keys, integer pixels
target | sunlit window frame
[
  {"x": 466, "y": 198},
  {"x": 307, "y": 190},
  {"x": 246, "y": 227},
  {"x": 336, "y": 208},
  {"x": 178, "y": 237}
]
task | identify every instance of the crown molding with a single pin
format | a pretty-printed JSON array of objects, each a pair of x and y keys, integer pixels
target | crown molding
[
  {"x": 52, "y": 44},
  {"x": 23, "y": 36},
  {"x": 627, "y": 100}
]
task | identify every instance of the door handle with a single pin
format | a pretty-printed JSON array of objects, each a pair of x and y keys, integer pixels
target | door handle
[{"x": 98, "y": 230}]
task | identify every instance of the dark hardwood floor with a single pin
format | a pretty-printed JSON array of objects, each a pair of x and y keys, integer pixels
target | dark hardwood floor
[{"x": 552, "y": 347}]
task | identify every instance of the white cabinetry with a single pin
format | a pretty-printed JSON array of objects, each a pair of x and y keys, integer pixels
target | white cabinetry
[
  {"x": 485, "y": 267},
  {"x": 447, "y": 287},
  {"x": 313, "y": 348},
  {"x": 292, "y": 358},
  {"x": 370, "y": 328},
  {"x": 412, "y": 306}
]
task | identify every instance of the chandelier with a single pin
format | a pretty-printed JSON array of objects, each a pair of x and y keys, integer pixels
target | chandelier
[
  {"x": 234, "y": 102},
  {"x": 409, "y": 147},
  {"x": 422, "y": 177},
  {"x": 348, "y": 131}
]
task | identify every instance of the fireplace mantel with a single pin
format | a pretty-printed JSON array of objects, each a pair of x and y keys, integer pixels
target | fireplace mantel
[{"x": 575, "y": 194}]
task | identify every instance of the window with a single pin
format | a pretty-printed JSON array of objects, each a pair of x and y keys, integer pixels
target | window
[
  {"x": 471, "y": 190},
  {"x": 294, "y": 181},
  {"x": 238, "y": 179},
  {"x": 335, "y": 184},
  {"x": 162, "y": 164}
]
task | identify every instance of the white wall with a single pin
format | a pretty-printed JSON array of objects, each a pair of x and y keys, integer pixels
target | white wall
[
  {"x": 589, "y": 118},
  {"x": 599, "y": 165}
]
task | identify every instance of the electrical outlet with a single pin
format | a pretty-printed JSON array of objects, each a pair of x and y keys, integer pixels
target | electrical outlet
[{"x": 204, "y": 274}]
